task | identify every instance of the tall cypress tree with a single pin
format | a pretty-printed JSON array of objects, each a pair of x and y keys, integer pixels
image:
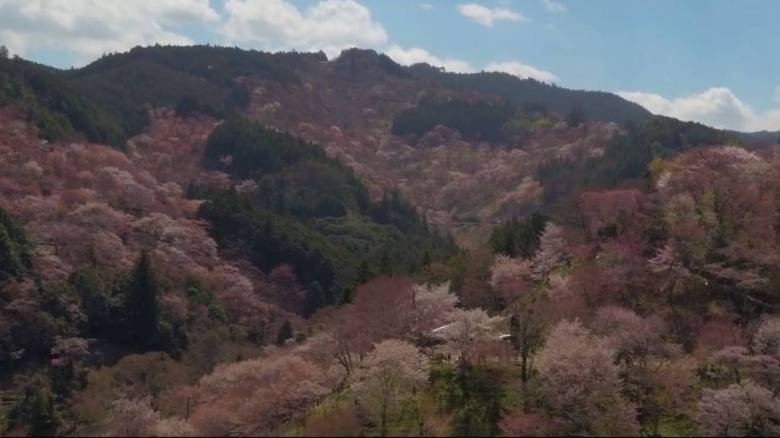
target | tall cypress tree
[
  {"x": 314, "y": 299},
  {"x": 43, "y": 416},
  {"x": 141, "y": 303},
  {"x": 385, "y": 265},
  {"x": 285, "y": 333},
  {"x": 14, "y": 248},
  {"x": 363, "y": 273}
]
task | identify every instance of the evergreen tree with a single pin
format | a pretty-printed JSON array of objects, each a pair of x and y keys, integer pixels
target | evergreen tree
[
  {"x": 346, "y": 295},
  {"x": 518, "y": 238},
  {"x": 476, "y": 394},
  {"x": 527, "y": 330},
  {"x": 500, "y": 240},
  {"x": 426, "y": 260},
  {"x": 576, "y": 117},
  {"x": 3, "y": 52},
  {"x": 14, "y": 256},
  {"x": 363, "y": 272},
  {"x": 141, "y": 303},
  {"x": 385, "y": 265},
  {"x": 10, "y": 259},
  {"x": 285, "y": 333},
  {"x": 314, "y": 299},
  {"x": 43, "y": 416}
]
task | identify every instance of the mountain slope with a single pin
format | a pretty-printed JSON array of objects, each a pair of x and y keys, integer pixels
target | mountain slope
[{"x": 601, "y": 106}]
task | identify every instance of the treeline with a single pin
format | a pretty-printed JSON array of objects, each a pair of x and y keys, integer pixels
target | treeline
[
  {"x": 194, "y": 78},
  {"x": 53, "y": 105},
  {"x": 14, "y": 248},
  {"x": 475, "y": 120},
  {"x": 628, "y": 157},
  {"x": 517, "y": 238},
  {"x": 311, "y": 212},
  {"x": 599, "y": 106},
  {"x": 104, "y": 101}
]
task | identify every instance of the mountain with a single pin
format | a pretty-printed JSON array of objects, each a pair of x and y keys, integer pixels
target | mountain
[
  {"x": 211, "y": 241},
  {"x": 468, "y": 150},
  {"x": 759, "y": 138},
  {"x": 601, "y": 106},
  {"x": 54, "y": 105}
]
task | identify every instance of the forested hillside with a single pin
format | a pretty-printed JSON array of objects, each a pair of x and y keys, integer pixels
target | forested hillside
[
  {"x": 302, "y": 208},
  {"x": 203, "y": 241},
  {"x": 53, "y": 105},
  {"x": 600, "y": 106}
]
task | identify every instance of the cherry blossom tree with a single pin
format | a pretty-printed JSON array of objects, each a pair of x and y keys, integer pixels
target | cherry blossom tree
[
  {"x": 466, "y": 327},
  {"x": 132, "y": 417},
  {"x": 510, "y": 278},
  {"x": 388, "y": 376},
  {"x": 432, "y": 304},
  {"x": 743, "y": 409},
  {"x": 767, "y": 337},
  {"x": 262, "y": 393},
  {"x": 581, "y": 384},
  {"x": 551, "y": 253},
  {"x": 634, "y": 339}
]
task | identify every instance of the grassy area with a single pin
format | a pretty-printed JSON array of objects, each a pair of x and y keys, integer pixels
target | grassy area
[{"x": 677, "y": 426}]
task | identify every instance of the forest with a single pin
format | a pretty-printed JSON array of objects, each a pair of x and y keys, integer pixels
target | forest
[{"x": 176, "y": 259}]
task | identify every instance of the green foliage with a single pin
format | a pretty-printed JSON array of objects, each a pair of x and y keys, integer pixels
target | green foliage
[
  {"x": 475, "y": 120},
  {"x": 14, "y": 248},
  {"x": 293, "y": 177},
  {"x": 526, "y": 123},
  {"x": 194, "y": 78},
  {"x": 628, "y": 157},
  {"x": 475, "y": 398},
  {"x": 364, "y": 273},
  {"x": 520, "y": 92},
  {"x": 36, "y": 410},
  {"x": 518, "y": 238},
  {"x": 197, "y": 293},
  {"x": 44, "y": 419},
  {"x": 141, "y": 303},
  {"x": 576, "y": 116},
  {"x": 100, "y": 294},
  {"x": 104, "y": 101},
  {"x": 356, "y": 61},
  {"x": 308, "y": 211},
  {"x": 54, "y": 106},
  {"x": 314, "y": 299},
  {"x": 123, "y": 308},
  {"x": 255, "y": 150}
]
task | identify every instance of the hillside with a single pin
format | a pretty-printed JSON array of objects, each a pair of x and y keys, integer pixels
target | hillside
[
  {"x": 369, "y": 113},
  {"x": 601, "y": 106},
  {"x": 207, "y": 241}
]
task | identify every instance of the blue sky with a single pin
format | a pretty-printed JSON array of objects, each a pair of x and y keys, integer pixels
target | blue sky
[{"x": 713, "y": 61}]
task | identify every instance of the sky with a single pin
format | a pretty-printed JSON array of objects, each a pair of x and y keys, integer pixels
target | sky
[{"x": 712, "y": 61}]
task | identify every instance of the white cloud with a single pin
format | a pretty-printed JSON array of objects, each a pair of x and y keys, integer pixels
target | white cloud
[
  {"x": 88, "y": 28},
  {"x": 554, "y": 6},
  {"x": 717, "y": 106},
  {"x": 486, "y": 16},
  {"x": 328, "y": 25},
  {"x": 416, "y": 55},
  {"x": 426, "y": 6},
  {"x": 523, "y": 71}
]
